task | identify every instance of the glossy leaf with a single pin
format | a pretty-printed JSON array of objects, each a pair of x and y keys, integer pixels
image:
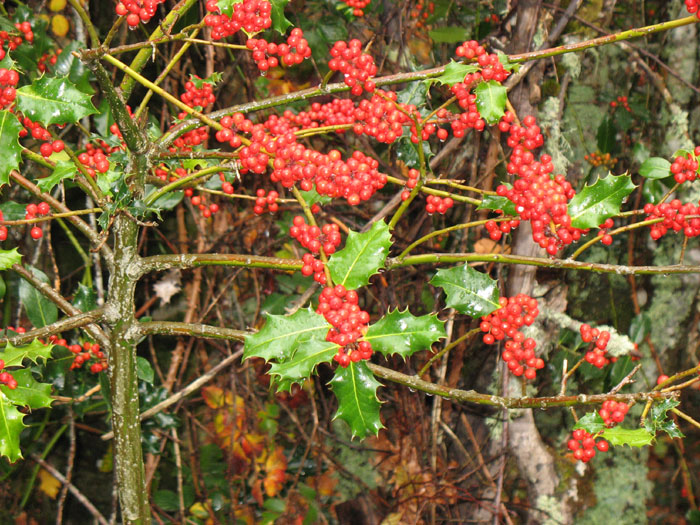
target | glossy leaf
[
  {"x": 63, "y": 170},
  {"x": 364, "y": 254},
  {"x": 404, "y": 334},
  {"x": 53, "y": 100},
  {"x": 454, "y": 73},
  {"x": 468, "y": 291},
  {"x": 606, "y": 137},
  {"x": 301, "y": 365},
  {"x": 279, "y": 21},
  {"x": 281, "y": 333},
  {"x": 10, "y": 428},
  {"x": 591, "y": 423},
  {"x": 29, "y": 392},
  {"x": 449, "y": 34},
  {"x": 496, "y": 202},
  {"x": 85, "y": 298},
  {"x": 10, "y": 149},
  {"x": 669, "y": 426},
  {"x": 144, "y": 370},
  {"x": 593, "y": 204},
  {"x": 491, "y": 99},
  {"x": 8, "y": 258},
  {"x": 356, "y": 390},
  {"x": 34, "y": 352},
  {"x": 655, "y": 168},
  {"x": 39, "y": 309},
  {"x": 638, "y": 437},
  {"x": 226, "y": 6}
]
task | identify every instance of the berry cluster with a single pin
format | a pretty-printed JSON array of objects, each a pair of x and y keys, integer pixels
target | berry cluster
[
  {"x": 313, "y": 266},
  {"x": 48, "y": 148},
  {"x": 137, "y": 10},
  {"x": 356, "y": 66},
  {"x": 339, "y": 307},
  {"x": 599, "y": 342},
  {"x": 194, "y": 96},
  {"x": 83, "y": 354},
  {"x": 10, "y": 42},
  {"x": 491, "y": 66},
  {"x": 95, "y": 159},
  {"x": 3, "y": 229},
  {"x": 194, "y": 137},
  {"x": 622, "y": 102},
  {"x": 497, "y": 229},
  {"x": 265, "y": 200},
  {"x": 36, "y": 130},
  {"x": 613, "y": 412},
  {"x": 8, "y": 83},
  {"x": 505, "y": 323},
  {"x": 252, "y": 16},
  {"x": 584, "y": 445},
  {"x": 596, "y": 159},
  {"x": 48, "y": 59},
  {"x": 435, "y": 204},
  {"x": 676, "y": 216},
  {"x": 606, "y": 238},
  {"x": 357, "y": 6},
  {"x": 686, "y": 168},
  {"x": 470, "y": 118},
  {"x": 6, "y": 378},
  {"x": 293, "y": 52},
  {"x": 198, "y": 201},
  {"x": 314, "y": 238},
  {"x": 31, "y": 211},
  {"x": 421, "y": 12},
  {"x": 692, "y": 7}
]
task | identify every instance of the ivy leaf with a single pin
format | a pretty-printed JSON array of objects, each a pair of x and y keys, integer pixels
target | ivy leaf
[
  {"x": 64, "y": 169},
  {"x": 53, "y": 100},
  {"x": 404, "y": 334},
  {"x": 10, "y": 428},
  {"x": 468, "y": 291},
  {"x": 10, "y": 149},
  {"x": 363, "y": 255},
  {"x": 591, "y": 206},
  {"x": 279, "y": 21},
  {"x": 300, "y": 366},
  {"x": 34, "y": 351},
  {"x": 491, "y": 99},
  {"x": 8, "y": 258},
  {"x": 638, "y": 437},
  {"x": 449, "y": 35},
  {"x": 282, "y": 333},
  {"x": 655, "y": 168},
  {"x": 496, "y": 202},
  {"x": 29, "y": 392},
  {"x": 591, "y": 423},
  {"x": 454, "y": 73},
  {"x": 356, "y": 390},
  {"x": 39, "y": 309}
]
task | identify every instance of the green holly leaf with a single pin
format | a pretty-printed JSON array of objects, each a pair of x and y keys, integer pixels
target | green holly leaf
[
  {"x": 449, "y": 34},
  {"x": 279, "y": 21},
  {"x": 10, "y": 428},
  {"x": 496, "y": 202},
  {"x": 10, "y": 149},
  {"x": 8, "y": 258},
  {"x": 39, "y": 309},
  {"x": 53, "y": 100},
  {"x": 281, "y": 333},
  {"x": 212, "y": 80},
  {"x": 29, "y": 392},
  {"x": 591, "y": 206},
  {"x": 404, "y": 334},
  {"x": 655, "y": 168},
  {"x": 468, "y": 291},
  {"x": 300, "y": 366},
  {"x": 358, "y": 405},
  {"x": 454, "y": 73},
  {"x": 669, "y": 426},
  {"x": 34, "y": 351},
  {"x": 364, "y": 254},
  {"x": 491, "y": 99},
  {"x": 591, "y": 423},
  {"x": 64, "y": 169},
  {"x": 638, "y": 437},
  {"x": 226, "y": 6}
]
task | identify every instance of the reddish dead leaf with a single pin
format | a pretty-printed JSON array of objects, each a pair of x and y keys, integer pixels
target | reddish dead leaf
[{"x": 276, "y": 469}]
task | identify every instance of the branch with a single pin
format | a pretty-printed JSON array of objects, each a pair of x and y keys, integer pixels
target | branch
[
  {"x": 194, "y": 329},
  {"x": 69, "y": 323},
  {"x": 182, "y": 261}
]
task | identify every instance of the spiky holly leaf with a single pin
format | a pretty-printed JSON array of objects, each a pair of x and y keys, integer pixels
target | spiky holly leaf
[
  {"x": 53, "y": 100},
  {"x": 638, "y": 437},
  {"x": 281, "y": 333},
  {"x": 594, "y": 204},
  {"x": 404, "y": 334},
  {"x": 279, "y": 21},
  {"x": 212, "y": 80},
  {"x": 454, "y": 73},
  {"x": 8, "y": 258},
  {"x": 496, "y": 202},
  {"x": 10, "y": 149},
  {"x": 669, "y": 426},
  {"x": 300, "y": 366},
  {"x": 39, "y": 309},
  {"x": 655, "y": 168},
  {"x": 364, "y": 254},
  {"x": 468, "y": 291},
  {"x": 63, "y": 170},
  {"x": 591, "y": 423},
  {"x": 29, "y": 392},
  {"x": 10, "y": 428},
  {"x": 491, "y": 99},
  {"x": 34, "y": 351},
  {"x": 358, "y": 405}
]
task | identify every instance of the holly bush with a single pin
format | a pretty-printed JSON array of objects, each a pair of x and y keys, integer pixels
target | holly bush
[{"x": 340, "y": 228}]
